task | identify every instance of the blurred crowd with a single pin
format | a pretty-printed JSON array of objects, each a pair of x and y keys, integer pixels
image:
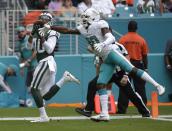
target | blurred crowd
[{"x": 69, "y": 7}]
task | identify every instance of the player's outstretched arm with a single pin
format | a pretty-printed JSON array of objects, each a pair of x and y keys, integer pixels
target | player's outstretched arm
[
  {"x": 64, "y": 30},
  {"x": 60, "y": 29}
]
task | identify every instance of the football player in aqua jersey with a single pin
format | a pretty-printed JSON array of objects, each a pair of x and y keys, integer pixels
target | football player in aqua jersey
[
  {"x": 6, "y": 71},
  {"x": 43, "y": 86},
  {"x": 100, "y": 38}
]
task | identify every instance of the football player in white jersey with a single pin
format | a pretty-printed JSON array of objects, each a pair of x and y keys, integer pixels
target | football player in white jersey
[
  {"x": 43, "y": 86},
  {"x": 100, "y": 38}
]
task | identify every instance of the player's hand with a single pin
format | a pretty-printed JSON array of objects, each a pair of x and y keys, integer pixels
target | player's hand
[
  {"x": 99, "y": 47},
  {"x": 44, "y": 30},
  {"x": 35, "y": 28},
  {"x": 39, "y": 22},
  {"x": 124, "y": 80}
]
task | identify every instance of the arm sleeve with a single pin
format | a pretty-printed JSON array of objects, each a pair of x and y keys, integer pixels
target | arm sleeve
[
  {"x": 109, "y": 39},
  {"x": 50, "y": 44}
]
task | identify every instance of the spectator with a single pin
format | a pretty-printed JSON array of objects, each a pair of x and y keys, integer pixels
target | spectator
[
  {"x": 137, "y": 49},
  {"x": 105, "y": 7},
  {"x": 167, "y": 5},
  {"x": 41, "y": 4},
  {"x": 68, "y": 10},
  {"x": 6, "y": 71},
  {"x": 146, "y": 6},
  {"x": 83, "y": 5},
  {"x": 120, "y": 3},
  {"x": 54, "y": 6},
  {"x": 168, "y": 55}
]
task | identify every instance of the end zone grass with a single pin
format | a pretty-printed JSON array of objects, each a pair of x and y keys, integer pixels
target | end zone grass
[{"x": 142, "y": 124}]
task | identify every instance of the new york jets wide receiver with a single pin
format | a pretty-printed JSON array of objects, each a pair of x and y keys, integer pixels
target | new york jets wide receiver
[
  {"x": 43, "y": 85},
  {"x": 102, "y": 42}
]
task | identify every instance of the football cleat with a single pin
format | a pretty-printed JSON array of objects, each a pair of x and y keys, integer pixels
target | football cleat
[
  {"x": 99, "y": 118},
  {"x": 41, "y": 119},
  {"x": 83, "y": 112},
  {"x": 70, "y": 78},
  {"x": 161, "y": 89},
  {"x": 146, "y": 115}
]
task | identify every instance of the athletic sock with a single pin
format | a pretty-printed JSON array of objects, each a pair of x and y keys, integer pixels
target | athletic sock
[
  {"x": 145, "y": 76},
  {"x": 103, "y": 101},
  {"x": 42, "y": 112},
  {"x": 61, "y": 82},
  {"x": 104, "y": 104}
]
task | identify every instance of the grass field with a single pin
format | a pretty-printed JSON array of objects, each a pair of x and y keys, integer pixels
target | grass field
[{"x": 126, "y": 124}]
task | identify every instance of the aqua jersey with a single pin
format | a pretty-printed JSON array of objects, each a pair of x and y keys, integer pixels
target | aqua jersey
[
  {"x": 26, "y": 52},
  {"x": 3, "y": 69},
  {"x": 94, "y": 36}
]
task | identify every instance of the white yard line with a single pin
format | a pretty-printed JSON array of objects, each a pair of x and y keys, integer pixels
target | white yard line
[{"x": 161, "y": 117}]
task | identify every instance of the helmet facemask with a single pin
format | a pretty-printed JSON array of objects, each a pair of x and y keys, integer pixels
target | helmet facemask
[
  {"x": 89, "y": 16},
  {"x": 46, "y": 18}
]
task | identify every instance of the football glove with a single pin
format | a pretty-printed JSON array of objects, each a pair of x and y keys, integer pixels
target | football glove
[
  {"x": 36, "y": 26},
  {"x": 99, "y": 46},
  {"x": 44, "y": 30}
]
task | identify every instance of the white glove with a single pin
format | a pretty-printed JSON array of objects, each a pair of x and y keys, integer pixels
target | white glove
[
  {"x": 44, "y": 30},
  {"x": 99, "y": 46}
]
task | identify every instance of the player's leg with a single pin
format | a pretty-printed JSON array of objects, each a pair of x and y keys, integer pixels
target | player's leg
[
  {"x": 139, "y": 86},
  {"x": 91, "y": 92},
  {"x": 116, "y": 58},
  {"x": 127, "y": 90},
  {"x": 122, "y": 98},
  {"x": 35, "y": 90},
  {"x": 106, "y": 72},
  {"x": 67, "y": 77}
]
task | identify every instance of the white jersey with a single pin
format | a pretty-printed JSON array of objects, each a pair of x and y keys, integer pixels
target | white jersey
[{"x": 94, "y": 35}]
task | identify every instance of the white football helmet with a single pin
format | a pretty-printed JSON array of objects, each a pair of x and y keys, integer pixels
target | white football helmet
[
  {"x": 89, "y": 16},
  {"x": 46, "y": 17}
]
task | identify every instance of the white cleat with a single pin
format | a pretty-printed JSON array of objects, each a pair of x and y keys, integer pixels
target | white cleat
[
  {"x": 99, "y": 118},
  {"x": 70, "y": 78},
  {"x": 161, "y": 89},
  {"x": 41, "y": 119}
]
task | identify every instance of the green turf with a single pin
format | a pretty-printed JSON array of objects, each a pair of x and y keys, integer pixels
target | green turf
[{"x": 81, "y": 125}]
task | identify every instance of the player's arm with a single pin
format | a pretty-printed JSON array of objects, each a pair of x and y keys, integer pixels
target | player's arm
[
  {"x": 49, "y": 44},
  {"x": 64, "y": 30},
  {"x": 108, "y": 35},
  {"x": 109, "y": 39}
]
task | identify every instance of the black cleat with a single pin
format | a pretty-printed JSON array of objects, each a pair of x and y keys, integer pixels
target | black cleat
[
  {"x": 145, "y": 115},
  {"x": 83, "y": 112}
]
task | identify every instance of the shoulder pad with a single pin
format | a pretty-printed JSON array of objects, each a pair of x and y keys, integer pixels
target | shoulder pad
[{"x": 103, "y": 24}]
